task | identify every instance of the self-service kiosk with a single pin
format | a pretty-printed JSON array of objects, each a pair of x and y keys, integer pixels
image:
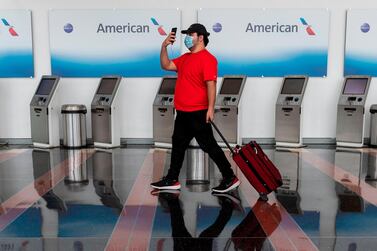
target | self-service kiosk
[
  {"x": 288, "y": 114},
  {"x": 228, "y": 109},
  {"x": 351, "y": 109},
  {"x": 105, "y": 113},
  {"x": 164, "y": 113},
  {"x": 44, "y": 113}
]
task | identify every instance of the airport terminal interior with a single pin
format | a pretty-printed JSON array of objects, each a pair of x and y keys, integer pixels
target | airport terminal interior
[
  {"x": 73, "y": 195},
  {"x": 87, "y": 117}
]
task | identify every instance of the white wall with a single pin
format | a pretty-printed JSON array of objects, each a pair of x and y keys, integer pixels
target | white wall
[{"x": 259, "y": 94}]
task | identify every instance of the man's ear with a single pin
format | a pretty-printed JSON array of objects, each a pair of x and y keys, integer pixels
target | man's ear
[{"x": 201, "y": 38}]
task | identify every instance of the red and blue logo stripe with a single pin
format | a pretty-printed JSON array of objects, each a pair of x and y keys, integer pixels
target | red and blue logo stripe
[
  {"x": 160, "y": 27},
  {"x": 309, "y": 29},
  {"x": 11, "y": 29}
]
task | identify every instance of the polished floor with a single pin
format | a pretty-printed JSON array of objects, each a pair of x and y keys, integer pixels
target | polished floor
[{"x": 94, "y": 199}]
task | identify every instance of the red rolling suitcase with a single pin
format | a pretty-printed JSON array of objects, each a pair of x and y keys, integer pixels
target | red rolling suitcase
[{"x": 256, "y": 166}]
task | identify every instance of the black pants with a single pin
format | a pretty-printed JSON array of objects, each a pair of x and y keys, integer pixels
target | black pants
[{"x": 189, "y": 125}]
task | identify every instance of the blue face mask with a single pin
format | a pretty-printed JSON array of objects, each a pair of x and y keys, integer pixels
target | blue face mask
[{"x": 189, "y": 42}]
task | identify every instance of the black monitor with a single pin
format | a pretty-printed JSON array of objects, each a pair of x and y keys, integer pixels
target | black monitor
[
  {"x": 293, "y": 86},
  {"x": 231, "y": 86},
  {"x": 45, "y": 86},
  {"x": 355, "y": 86},
  {"x": 167, "y": 86},
  {"x": 107, "y": 85}
]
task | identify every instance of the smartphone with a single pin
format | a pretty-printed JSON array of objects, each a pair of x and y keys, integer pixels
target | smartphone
[{"x": 174, "y": 30}]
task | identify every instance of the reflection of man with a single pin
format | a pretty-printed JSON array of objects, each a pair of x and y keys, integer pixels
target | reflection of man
[
  {"x": 183, "y": 240},
  {"x": 249, "y": 235}
]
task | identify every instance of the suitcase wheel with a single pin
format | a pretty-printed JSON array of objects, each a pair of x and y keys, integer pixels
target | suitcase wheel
[{"x": 263, "y": 197}]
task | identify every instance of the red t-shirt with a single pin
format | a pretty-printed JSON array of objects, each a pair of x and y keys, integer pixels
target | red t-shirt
[{"x": 193, "y": 70}]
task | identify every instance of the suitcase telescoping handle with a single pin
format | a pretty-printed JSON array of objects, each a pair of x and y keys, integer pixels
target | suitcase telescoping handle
[{"x": 222, "y": 136}]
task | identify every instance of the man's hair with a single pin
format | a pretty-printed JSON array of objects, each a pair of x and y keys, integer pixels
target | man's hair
[{"x": 205, "y": 39}]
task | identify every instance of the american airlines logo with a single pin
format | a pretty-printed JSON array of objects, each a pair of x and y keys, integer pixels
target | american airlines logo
[
  {"x": 10, "y": 28},
  {"x": 280, "y": 28},
  {"x": 160, "y": 29},
  {"x": 309, "y": 29}
]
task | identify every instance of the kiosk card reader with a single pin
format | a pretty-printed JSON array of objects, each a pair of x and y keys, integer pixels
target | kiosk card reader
[
  {"x": 44, "y": 113},
  {"x": 227, "y": 109},
  {"x": 164, "y": 113},
  {"x": 289, "y": 111},
  {"x": 351, "y": 109},
  {"x": 105, "y": 113}
]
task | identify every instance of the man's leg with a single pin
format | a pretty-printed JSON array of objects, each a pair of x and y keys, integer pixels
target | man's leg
[
  {"x": 181, "y": 139},
  {"x": 207, "y": 142},
  {"x": 204, "y": 136},
  {"x": 182, "y": 136}
]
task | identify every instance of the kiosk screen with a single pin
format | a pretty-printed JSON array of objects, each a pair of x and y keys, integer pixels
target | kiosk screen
[
  {"x": 45, "y": 86},
  {"x": 167, "y": 86},
  {"x": 231, "y": 86},
  {"x": 355, "y": 86},
  {"x": 293, "y": 86},
  {"x": 107, "y": 85}
]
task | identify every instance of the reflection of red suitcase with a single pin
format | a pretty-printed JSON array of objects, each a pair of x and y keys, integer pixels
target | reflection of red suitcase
[
  {"x": 256, "y": 166},
  {"x": 249, "y": 234}
]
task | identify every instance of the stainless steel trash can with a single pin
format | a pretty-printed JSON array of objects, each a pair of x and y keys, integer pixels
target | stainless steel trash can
[
  {"x": 74, "y": 125},
  {"x": 197, "y": 167},
  {"x": 373, "y": 125}
]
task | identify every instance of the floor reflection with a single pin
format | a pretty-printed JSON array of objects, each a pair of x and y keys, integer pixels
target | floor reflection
[
  {"x": 289, "y": 164},
  {"x": 74, "y": 200},
  {"x": 82, "y": 205},
  {"x": 331, "y": 208},
  {"x": 103, "y": 179}
]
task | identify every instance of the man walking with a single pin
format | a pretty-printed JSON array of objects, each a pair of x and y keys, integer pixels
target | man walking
[{"x": 194, "y": 101}]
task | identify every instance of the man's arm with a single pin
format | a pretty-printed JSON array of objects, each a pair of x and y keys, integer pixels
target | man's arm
[
  {"x": 165, "y": 62},
  {"x": 211, "y": 92}
]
